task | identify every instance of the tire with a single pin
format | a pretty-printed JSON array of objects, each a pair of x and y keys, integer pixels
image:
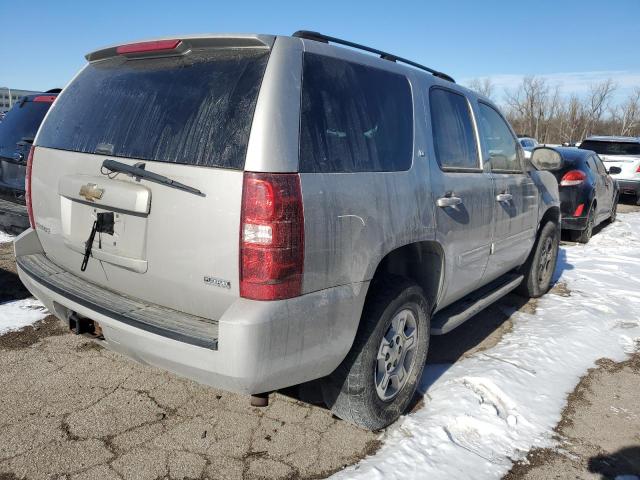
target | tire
[
  {"x": 352, "y": 390},
  {"x": 614, "y": 210},
  {"x": 539, "y": 268},
  {"x": 585, "y": 235}
]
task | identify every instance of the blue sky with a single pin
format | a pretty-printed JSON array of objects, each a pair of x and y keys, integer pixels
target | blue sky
[{"x": 570, "y": 42}]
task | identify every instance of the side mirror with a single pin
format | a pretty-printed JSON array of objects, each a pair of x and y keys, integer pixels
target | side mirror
[
  {"x": 614, "y": 170},
  {"x": 544, "y": 158}
]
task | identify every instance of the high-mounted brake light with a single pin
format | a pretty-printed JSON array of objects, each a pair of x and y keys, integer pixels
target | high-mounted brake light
[
  {"x": 143, "y": 47},
  {"x": 45, "y": 98},
  {"x": 271, "y": 236},
  {"x": 27, "y": 188},
  {"x": 572, "y": 178}
]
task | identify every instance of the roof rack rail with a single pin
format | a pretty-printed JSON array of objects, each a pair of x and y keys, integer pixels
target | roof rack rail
[{"x": 319, "y": 37}]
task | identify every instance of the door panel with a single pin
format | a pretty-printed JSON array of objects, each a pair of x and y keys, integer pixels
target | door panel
[
  {"x": 463, "y": 229},
  {"x": 515, "y": 222},
  {"x": 462, "y": 193},
  {"x": 604, "y": 191},
  {"x": 515, "y": 201}
]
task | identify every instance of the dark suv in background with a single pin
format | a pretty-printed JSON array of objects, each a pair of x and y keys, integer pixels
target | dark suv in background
[{"x": 17, "y": 131}]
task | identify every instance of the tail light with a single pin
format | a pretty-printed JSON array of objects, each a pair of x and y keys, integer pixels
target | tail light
[
  {"x": 27, "y": 188},
  {"x": 572, "y": 177},
  {"x": 638, "y": 169},
  {"x": 271, "y": 236},
  {"x": 45, "y": 98}
]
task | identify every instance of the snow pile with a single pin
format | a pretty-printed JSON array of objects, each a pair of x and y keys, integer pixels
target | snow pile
[
  {"x": 20, "y": 313},
  {"x": 5, "y": 237},
  {"x": 488, "y": 410}
]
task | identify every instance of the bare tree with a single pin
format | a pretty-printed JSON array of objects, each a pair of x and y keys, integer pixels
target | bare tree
[
  {"x": 572, "y": 120},
  {"x": 482, "y": 86},
  {"x": 597, "y": 103},
  {"x": 539, "y": 109},
  {"x": 627, "y": 115},
  {"x": 530, "y": 103}
]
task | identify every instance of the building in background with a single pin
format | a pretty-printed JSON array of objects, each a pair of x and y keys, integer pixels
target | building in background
[{"x": 9, "y": 96}]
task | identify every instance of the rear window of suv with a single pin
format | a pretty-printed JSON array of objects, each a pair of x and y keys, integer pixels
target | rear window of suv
[
  {"x": 195, "y": 109},
  {"x": 611, "y": 148},
  {"x": 354, "y": 118},
  {"x": 21, "y": 123}
]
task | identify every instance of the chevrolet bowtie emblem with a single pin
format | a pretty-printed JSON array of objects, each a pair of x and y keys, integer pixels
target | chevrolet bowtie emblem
[{"x": 91, "y": 192}]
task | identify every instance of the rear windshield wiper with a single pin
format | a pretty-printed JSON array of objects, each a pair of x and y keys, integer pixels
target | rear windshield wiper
[{"x": 138, "y": 171}]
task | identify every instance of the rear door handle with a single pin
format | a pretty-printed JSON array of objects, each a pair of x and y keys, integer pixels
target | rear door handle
[
  {"x": 449, "y": 201},
  {"x": 504, "y": 197}
]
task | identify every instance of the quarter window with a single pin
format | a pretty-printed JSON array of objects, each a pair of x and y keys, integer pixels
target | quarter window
[
  {"x": 354, "y": 118},
  {"x": 498, "y": 141},
  {"x": 454, "y": 140}
]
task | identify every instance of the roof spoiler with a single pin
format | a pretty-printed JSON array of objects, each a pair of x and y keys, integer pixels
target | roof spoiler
[{"x": 181, "y": 45}]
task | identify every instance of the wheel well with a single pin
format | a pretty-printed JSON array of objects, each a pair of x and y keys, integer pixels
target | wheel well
[
  {"x": 551, "y": 215},
  {"x": 422, "y": 262}
]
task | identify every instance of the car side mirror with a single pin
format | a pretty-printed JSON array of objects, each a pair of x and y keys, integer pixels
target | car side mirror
[
  {"x": 614, "y": 170},
  {"x": 544, "y": 158}
]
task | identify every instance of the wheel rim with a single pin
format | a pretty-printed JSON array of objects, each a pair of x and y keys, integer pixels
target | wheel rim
[
  {"x": 546, "y": 263},
  {"x": 396, "y": 355}
]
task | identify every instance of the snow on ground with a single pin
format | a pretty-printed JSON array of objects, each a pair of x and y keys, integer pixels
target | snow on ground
[
  {"x": 20, "y": 313},
  {"x": 488, "y": 410},
  {"x": 5, "y": 237}
]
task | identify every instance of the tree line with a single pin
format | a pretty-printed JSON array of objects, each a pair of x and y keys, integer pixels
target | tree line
[{"x": 538, "y": 109}]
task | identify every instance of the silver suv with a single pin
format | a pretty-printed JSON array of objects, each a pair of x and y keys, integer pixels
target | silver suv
[{"x": 255, "y": 212}]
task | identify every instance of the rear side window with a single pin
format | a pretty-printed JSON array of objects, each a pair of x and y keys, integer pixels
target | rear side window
[
  {"x": 611, "y": 148},
  {"x": 195, "y": 109},
  {"x": 21, "y": 123},
  {"x": 453, "y": 137},
  {"x": 354, "y": 118}
]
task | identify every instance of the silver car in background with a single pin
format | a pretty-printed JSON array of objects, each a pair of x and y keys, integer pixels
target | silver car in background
[
  {"x": 621, "y": 152},
  {"x": 256, "y": 211}
]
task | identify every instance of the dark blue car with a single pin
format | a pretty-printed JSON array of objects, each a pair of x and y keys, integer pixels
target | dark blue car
[
  {"x": 17, "y": 131},
  {"x": 588, "y": 195}
]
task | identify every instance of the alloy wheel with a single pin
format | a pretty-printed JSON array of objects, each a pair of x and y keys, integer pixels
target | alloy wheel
[
  {"x": 396, "y": 355},
  {"x": 546, "y": 263}
]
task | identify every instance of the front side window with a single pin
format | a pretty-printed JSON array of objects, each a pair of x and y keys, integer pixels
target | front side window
[
  {"x": 498, "y": 140},
  {"x": 453, "y": 137},
  {"x": 599, "y": 165},
  {"x": 354, "y": 118}
]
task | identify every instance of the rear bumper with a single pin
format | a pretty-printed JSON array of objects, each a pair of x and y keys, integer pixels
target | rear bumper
[
  {"x": 629, "y": 187},
  {"x": 574, "y": 223},
  {"x": 261, "y": 346}
]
